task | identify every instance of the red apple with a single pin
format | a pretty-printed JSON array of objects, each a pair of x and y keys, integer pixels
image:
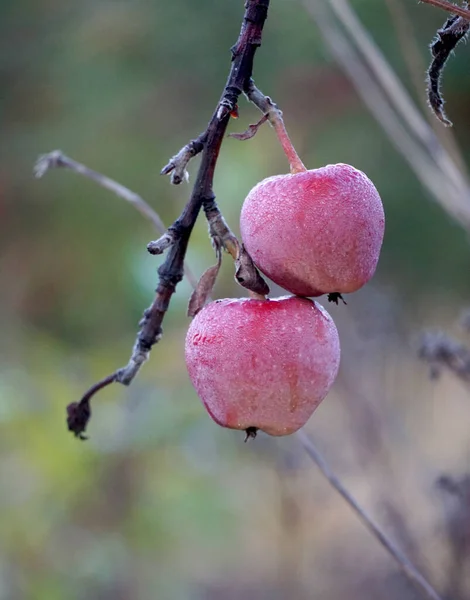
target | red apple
[
  {"x": 262, "y": 364},
  {"x": 315, "y": 232}
]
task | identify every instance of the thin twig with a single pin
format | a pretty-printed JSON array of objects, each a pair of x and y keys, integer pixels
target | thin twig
[
  {"x": 449, "y": 7},
  {"x": 405, "y": 565},
  {"x": 57, "y": 158}
]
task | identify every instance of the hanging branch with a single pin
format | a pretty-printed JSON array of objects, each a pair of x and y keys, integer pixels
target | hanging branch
[{"x": 177, "y": 236}]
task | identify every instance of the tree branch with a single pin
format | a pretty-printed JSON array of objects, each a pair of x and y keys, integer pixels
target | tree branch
[
  {"x": 171, "y": 271},
  {"x": 405, "y": 565},
  {"x": 57, "y": 159}
]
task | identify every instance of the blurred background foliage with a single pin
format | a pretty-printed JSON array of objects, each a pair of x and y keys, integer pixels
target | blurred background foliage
[{"x": 160, "y": 502}]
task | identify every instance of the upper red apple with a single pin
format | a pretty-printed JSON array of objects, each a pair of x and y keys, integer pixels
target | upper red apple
[{"x": 315, "y": 232}]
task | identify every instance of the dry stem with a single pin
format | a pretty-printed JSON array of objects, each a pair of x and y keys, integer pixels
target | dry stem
[{"x": 405, "y": 565}]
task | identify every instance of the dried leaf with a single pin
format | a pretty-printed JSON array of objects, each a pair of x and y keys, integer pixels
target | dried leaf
[
  {"x": 251, "y": 131},
  {"x": 248, "y": 275},
  {"x": 205, "y": 286}
]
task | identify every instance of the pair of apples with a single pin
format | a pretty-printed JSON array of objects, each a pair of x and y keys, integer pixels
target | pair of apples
[{"x": 267, "y": 364}]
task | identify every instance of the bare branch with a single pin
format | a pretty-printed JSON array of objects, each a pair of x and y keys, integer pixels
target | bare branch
[
  {"x": 57, "y": 159},
  {"x": 405, "y": 565}
]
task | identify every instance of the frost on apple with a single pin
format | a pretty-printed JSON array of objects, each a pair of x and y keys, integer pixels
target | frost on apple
[
  {"x": 262, "y": 364},
  {"x": 315, "y": 232}
]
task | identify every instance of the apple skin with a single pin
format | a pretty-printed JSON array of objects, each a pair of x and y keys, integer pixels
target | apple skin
[
  {"x": 262, "y": 364},
  {"x": 315, "y": 232}
]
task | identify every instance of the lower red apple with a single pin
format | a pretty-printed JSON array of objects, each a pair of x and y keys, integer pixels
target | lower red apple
[{"x": 262, "y": 364}]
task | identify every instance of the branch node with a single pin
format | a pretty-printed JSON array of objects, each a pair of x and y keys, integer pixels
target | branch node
[
  {"x": 51, "y": 160},
  {"x": 163, "y": 243},
  {"x": 178, "y": 163},
  {"x": 226, "y": 107}
]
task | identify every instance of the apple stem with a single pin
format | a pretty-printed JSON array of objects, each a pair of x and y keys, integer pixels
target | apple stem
[
  {"x": 295, "y": 162},
  {"x": 256, "y": 296},
  {"x": 274, "y": 116}
]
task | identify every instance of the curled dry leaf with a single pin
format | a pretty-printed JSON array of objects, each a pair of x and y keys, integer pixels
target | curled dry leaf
[
  {"x": 248, "y": 275},
  {"x": 205, "y": 285},
  {"x": 452, "y": 32},
  {"x": 251, "y": 131}
]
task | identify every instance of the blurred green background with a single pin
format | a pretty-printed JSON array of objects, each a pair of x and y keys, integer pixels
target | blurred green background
[{"x": 161, "y": 502}]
